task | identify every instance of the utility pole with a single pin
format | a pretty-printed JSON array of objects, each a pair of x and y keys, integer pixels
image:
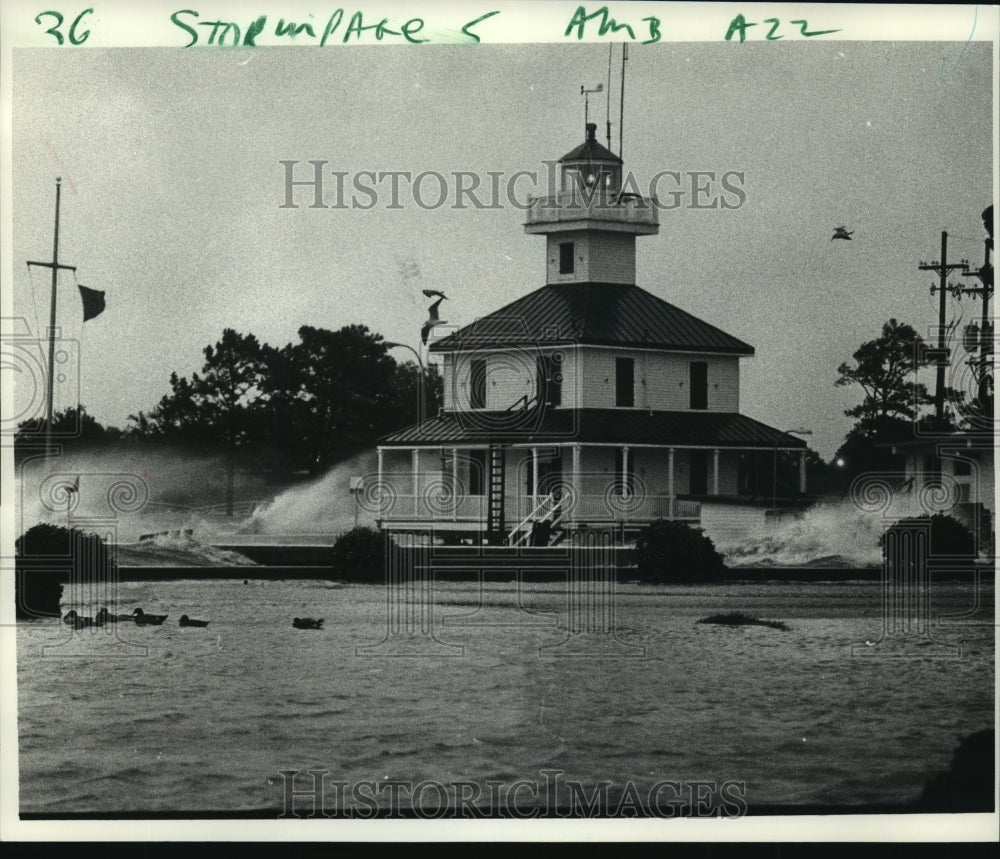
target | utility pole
[
  {"x": 983, "y": 338},
  {"x": 941, "y": 353}
]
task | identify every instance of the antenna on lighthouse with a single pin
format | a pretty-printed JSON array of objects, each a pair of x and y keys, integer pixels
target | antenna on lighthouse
[
  {"x": 621, "y": 108},
  {"x": 586, "y": 101},
  {"x": 607, "y": 107}
]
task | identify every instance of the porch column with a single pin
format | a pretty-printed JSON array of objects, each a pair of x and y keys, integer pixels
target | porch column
[
  {"x": 802, "y": 472},
  {"x": 625, "y": 486},
  {"x": 715, "y": 471},
  {"x": 670, "y": 482},
  {"x": 415, "y": 465},
  {"x": 574, "y": 479},
  {"x": 534, "y": 478},
  {"x": 380, "y": 469},
  {"x": 454, "y": 483}
]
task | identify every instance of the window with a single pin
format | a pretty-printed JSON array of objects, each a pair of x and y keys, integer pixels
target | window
[
  {"x": 548, "y": 383},
  {"x": 571, "y": 178},
  {"x": 624, "y": 382},
  {"x": 477, "y": 384},
  {"x": 477, "y": 472},
  {"x": 566, "y": 261},
  {"x": 698, "y": 384}
]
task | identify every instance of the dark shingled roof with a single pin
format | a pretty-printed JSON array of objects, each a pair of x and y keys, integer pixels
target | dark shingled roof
[
  {"x": 591, "y": 150},
  {"x": 605, "y": 314},
  {"x": 611, "y": 426}
]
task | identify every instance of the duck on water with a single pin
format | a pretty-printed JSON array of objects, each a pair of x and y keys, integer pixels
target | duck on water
[
  {"x": 78, "y": 622},
  {"x": 143, "y": 619},
  {"x": 103, "y": 616}
]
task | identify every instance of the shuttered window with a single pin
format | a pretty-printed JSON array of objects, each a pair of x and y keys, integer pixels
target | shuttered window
[
  {"x": 624, "y": 382},
  {"x": 566, "y": 261},
  {"x": 698, "y": 384},
  {"x": 477, "y": 384}
]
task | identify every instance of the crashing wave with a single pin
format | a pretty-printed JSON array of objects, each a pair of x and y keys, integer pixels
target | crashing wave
[{"x": 177, "y": 549}]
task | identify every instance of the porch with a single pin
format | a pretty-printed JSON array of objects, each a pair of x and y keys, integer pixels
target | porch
[{"x": 520, "y": 493}]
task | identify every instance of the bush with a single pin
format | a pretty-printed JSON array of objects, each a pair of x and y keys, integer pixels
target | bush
[
  {"x": 359, "y": 555},
  {"x": 948, "y": 536},
  {"x": 967, "y": 786},
  {"x": 46, "y": 555},
  {"x": 675, "y": 552}
]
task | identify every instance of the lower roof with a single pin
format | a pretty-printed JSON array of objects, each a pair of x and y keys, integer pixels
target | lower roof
[{"x": 594, "y": 426}]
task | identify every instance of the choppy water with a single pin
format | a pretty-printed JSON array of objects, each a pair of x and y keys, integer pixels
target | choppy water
[{"x": 180, "y": 719}]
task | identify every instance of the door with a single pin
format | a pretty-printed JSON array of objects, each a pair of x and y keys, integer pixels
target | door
[{"x": 699, "y": 472}]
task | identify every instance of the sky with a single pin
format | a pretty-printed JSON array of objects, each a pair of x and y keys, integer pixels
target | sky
[{"x": 173, "y": 187}]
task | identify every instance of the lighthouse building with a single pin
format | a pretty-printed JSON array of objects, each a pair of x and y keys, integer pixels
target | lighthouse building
[{"x": 588, "y": 403}]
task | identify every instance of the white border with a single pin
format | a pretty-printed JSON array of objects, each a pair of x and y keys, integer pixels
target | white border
[{"x": 119, "y": 23}]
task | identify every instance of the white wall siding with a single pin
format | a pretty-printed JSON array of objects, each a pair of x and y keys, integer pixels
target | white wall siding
[
  {"x": 510, "y": 375},
  {"x": 601, "y": 257},
  {"x": 662, "y": 380}
]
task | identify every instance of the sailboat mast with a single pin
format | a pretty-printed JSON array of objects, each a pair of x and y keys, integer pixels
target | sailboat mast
[{"x": 52, "y": 319}]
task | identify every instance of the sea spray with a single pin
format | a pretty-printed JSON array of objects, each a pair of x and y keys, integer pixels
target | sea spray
[
  {"x": 177, "y": 549},
  {"x": 324, "y": 506},
  {"x": 831, "y": 533},
  {"x": 187, "y": 491},
  {"x": 137, "y": 491}
]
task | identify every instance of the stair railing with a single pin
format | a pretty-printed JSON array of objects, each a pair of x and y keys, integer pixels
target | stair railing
[{"x": 548, "y": 504}]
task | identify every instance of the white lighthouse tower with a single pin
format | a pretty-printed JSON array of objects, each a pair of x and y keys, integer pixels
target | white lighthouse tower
[{"x": 590, "y": 224}]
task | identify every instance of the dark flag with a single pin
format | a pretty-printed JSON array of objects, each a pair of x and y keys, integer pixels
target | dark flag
[{"x": 93, "y": 302}]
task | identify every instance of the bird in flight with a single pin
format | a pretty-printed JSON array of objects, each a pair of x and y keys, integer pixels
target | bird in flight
[
  {"x": 431, "y": 293},
  {"x": 841, "y": 233},
  {"x": 433, "y": 320}
]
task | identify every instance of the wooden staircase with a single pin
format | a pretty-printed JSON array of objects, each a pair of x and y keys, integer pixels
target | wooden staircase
[{"x": 496, "y": 532}]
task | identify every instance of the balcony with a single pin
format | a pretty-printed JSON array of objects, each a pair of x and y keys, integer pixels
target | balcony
[{"x": 630, "y": 213}]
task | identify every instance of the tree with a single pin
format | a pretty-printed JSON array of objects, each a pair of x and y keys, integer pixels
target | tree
[
  {"x": 72, "y": 427},
  {"x": 883, "y": 368},
  {"x": 337, "y": 392},
  {"x": 177, "y": 417},
  {"x": 307, "y": 405},
  {"x": 223, "y": 405},
  {"x": 406, "y": 391}
]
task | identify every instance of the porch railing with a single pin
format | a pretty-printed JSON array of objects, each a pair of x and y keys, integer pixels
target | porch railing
[
  {"x": 581, "y": 508},
  {"x": 574, "y": 205}
]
